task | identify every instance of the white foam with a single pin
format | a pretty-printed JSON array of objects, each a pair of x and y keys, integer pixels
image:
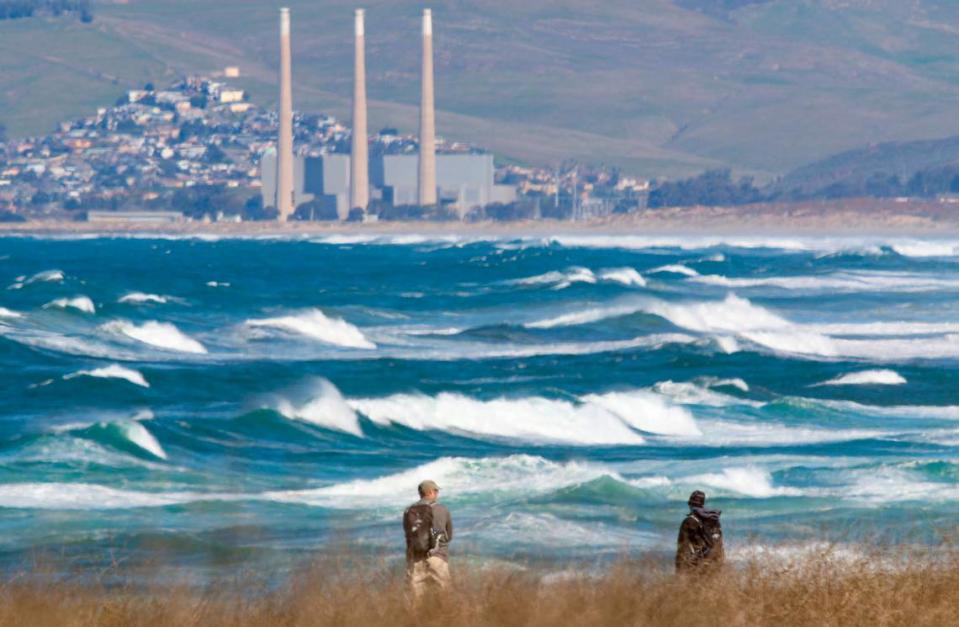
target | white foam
[
  {"x": 625, "y": 276},
  {"x": 585, "y": 316},
  {"x": 113, "y": 371},
  {"x": 456, "y": 476},
  {"x": 217, "y": 284},
  {"x": 735, "y": 383},
  {"x": 674, "y": 269},
  {"x": 160, "y": 334},
  {"x": 315, "y": 325},
  {"x": 139, "y": 436},
  {"x": 846, "y": 281},
  {"x": 530, "y": 419},
  {"x": 47, "y": 276},
  {"x": 749, "y": 481},
  {"x": 868, "y": 377},
  {"x": 652, "y": 342},
  {"x": 325, "y": 408},
  {"x": 88, "y": 496},
  {"x": 80, "y": 303},
  {"x": 693, "y": 394},
  {"x": 647, "y": 412},
  {"x": 924, "y": 248},
  {"x": 7, "y": 313},
  {"x": 724, "y": 433},
  {"x": 934, "y": 412},
  {"x": 140, "y": 297},
  {"x": 559, "y": 280}
]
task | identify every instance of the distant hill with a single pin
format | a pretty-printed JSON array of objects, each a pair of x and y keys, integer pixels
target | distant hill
[
  {"x": 854, "y": 167},
  {"x": 663, "y": 88}
]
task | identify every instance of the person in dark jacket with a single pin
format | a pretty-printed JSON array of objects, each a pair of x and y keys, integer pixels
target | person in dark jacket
[{"x": 700, "y": 542}]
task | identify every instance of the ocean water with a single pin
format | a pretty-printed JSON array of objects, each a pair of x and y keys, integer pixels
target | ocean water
[{"x": 214, "y": 405}]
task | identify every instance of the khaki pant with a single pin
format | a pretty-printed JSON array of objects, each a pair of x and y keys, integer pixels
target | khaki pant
[{"x": 433, "y": 572}]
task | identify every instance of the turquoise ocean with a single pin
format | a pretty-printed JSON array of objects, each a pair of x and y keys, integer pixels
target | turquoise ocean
[{"x": 218, "y": 405}]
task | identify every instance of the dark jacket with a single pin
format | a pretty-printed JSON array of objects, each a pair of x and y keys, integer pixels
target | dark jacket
[
  {"x": 442, "y": 528},
  {"x": 700, "y": 540}
]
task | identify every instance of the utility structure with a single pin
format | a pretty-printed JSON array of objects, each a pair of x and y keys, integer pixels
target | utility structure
[
  {"x": 359, "y": 161},
  {"x": 427, "y": 161},
  {"x": 285, "y": 201}
]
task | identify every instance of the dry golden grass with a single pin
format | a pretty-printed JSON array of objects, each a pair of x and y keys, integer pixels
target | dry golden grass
[{"x": 819, "y": 589}]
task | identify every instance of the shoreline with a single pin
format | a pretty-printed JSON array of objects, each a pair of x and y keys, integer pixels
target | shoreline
[{"x": 810, "y": 220}]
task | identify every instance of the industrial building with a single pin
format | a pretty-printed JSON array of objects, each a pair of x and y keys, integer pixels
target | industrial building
[
  {"x": 463, "y": 181},
  {"x": 460, "y": 181}
]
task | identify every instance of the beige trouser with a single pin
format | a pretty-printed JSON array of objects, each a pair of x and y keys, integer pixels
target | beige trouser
[{"x": 433, "y": 572}]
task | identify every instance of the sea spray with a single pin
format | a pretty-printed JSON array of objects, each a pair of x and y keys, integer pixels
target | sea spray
[
  {"x": 316, "y": 325},
  {"x": 160, "y": 334}
]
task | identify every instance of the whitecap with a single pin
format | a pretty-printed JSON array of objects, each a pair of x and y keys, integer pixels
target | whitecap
[
  {"x": 139, "y": 436},
  {"x": 47, "y": 276},
  {"x": 693, "y": 394},
  {"x": 325, "y": 408},
  {"x": 647, "y": 412},
  {"x": 113, "y": 371},
  {"x": 531, "y": 419},
  {"x": 140, "y": 297},
  {"x": 88, "y": 496},
  {"x": 7, "y": 313},
  {"x": 749, "y": 481},
  {"x": 868, "y": 377},
  {"x": 624, "y": 276},
  {"x": 559, "y": 280},
  {"x": 674, "y": 269},
  {"x": 160, "y": 334},
  {"x": 315, "y": 325},
  {"x": 584, "y": 316},
  {"x": 80, "y": 303},
  {"x": 458, "y": 476}
]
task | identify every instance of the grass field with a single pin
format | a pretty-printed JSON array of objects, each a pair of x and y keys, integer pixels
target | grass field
[
  {"x": 646, "y": 84},
  {"x": 824, "y": 587}
]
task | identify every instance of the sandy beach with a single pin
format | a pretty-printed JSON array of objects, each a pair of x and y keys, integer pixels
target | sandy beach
[{"x": 849, "y": 218}]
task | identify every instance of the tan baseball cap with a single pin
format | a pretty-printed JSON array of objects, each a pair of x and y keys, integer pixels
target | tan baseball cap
[{"x": 426, "y": 486}]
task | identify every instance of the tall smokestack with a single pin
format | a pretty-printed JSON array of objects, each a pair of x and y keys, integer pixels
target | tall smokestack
[
  {"x": 427, "y": 165},
  {"x": 359, "y": 157},
  {"x": 285, "y": 204}
]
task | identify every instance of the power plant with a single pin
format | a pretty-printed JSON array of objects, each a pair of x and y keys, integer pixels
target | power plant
[
  {"x": 285, "y": 199},
  {"x": 334, "y": 184},
  {"x": 427, "y": 166},
  {"x": 359, "y": 148}
]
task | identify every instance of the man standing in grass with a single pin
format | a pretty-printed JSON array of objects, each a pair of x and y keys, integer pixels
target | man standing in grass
[
  {"x": 700, "y": 542},
  {"x": 429, "y": 528}
]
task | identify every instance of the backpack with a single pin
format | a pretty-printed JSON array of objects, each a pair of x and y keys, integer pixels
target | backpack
[
  {"x": 418, "y": 526},
  {"x": 712, "y": 535}
]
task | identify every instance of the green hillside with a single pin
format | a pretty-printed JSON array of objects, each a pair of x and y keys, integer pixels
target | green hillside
[{"x": 661, "y": 88}]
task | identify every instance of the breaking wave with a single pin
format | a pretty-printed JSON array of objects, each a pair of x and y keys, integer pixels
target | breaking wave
[
  {"x": 113, "y": 371},
  {"x": 624, "y": 276},
  {"x": 80, "y": 303},
  {"x": 749, "y": 481},
  {"x": 315, "y": 325},
  {"x": 459, "y": 476},
  {"x": 559, "y": 280},
  {"x": 858, "y": 281},
  {"x": 323, "y": 406},
  {"x": 160, "y": 334},
  {"x": 674, "y": 269},
  {"x": 868, "y": 377},
  {"x": 140, "y": 297}
]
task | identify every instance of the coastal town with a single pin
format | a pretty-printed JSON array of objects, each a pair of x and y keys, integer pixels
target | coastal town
[{"x": 193, "y": 151}]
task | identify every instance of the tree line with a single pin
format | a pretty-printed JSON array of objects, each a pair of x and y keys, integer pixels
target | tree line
[
  {"x": 17, "y": 9},
  {"x": 719, "y": 188}
]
